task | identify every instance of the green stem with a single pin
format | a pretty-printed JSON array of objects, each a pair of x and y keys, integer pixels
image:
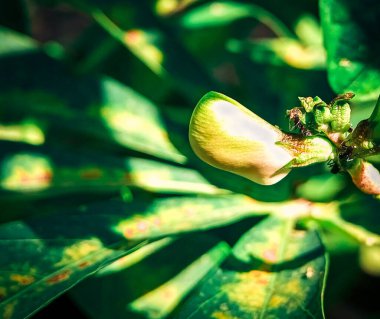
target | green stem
[
  {"x": 107, "y": 24},
  {"x": 330, "y": 219},
  {"x": 97, "y": 56}
]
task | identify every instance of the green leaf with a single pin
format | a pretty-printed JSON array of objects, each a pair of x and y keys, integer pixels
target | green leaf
[
  {"x": 45, "y": 171},
  {"x": 161, "y": 51},
  {"x": 224, "y": 12},
  {"x": 281, "y": 51},
  {"x": 135, "y": 257},
  {"x": 155, "y": 286},
  {"x": 41, "y": 258},
  {"x": 352, "y": 43},
  {"x": 160, "y": 302},
  {"x": 164, "y": 178},
  {"x": 25, "y": 131},
  {"x": 321, "y": 188},
  {"x": 102, "y": 108},
  {"x": 274, "y": 271},
  {"x": 175, "y": 215},
  {"x": 168, "y": 7},
  {"x": 13, "y": 42}
]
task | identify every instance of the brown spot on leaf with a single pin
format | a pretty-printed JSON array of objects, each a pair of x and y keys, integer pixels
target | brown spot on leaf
[
  {"x": 132, "y": 36},
  {"x": 59, "y": 277},
  {"x": 91, "y": 173},
  {"x": 84, "y": 264}
]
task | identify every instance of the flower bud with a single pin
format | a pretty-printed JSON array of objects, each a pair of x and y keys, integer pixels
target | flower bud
[
  {"x": 365, "y": 176},
  {"x": 226, "y": 135}
]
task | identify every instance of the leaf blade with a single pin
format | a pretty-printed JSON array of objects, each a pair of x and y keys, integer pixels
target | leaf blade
[{"x": 276, "y": 273}]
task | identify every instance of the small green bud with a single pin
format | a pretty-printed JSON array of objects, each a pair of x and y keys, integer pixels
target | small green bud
[
  {"x": 308, "y": 103},
  {"x": 340, "y": 117},
  {"x": 322, "y": 115},
  {"x": 226, "y": 135}
]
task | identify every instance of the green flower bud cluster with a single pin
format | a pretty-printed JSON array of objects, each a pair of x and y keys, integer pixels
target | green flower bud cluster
[{"x": 316, "y": 116}]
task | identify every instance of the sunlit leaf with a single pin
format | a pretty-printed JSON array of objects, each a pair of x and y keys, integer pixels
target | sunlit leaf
[
  {"x": 321, "y": 188},
  {"x": 154, "y": 287},
  {"x": 159, "y": 177},
  {"x": 274, "y": 271},
  {"x": 370, "y": 260},
  {"x": 43, "y": 257},
  {"x": 281, "y": 51},
  {"x": 224, "y": 12},
  {"x": 26, "y": 131},
  {"x": 184, "y": 214},
  {"x": 159, "y": 50},
  {"x": 169, "y": 7},
  {"x": 47, "y": 172},
  {"x": 13, "y": 42},
  {"x": 352, "y": 43},
  {"x": 135, "y": 257},
  {"x": 160, "y": 302},
  {"x": 102, "y": 108}
]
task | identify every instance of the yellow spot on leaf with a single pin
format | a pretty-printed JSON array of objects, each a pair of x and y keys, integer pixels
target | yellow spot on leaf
[
  {"x": 9, "y": 310},
  {"x": 79, "y": 250},
  {"x": 26, "y": 172},
  {"x": 249, "y": 292},
  {"x": 3, "y": 293},
  {"x": 223, "y": 315},
  {"x": 22, "y": 279},
  {"x": 277, "y": 301}
]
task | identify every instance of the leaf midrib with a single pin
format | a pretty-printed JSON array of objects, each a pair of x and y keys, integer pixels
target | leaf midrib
[{"x": 287, "y": 228}]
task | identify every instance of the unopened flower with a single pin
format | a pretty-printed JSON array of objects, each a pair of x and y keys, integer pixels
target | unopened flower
[{"x": 230, "y": 137}]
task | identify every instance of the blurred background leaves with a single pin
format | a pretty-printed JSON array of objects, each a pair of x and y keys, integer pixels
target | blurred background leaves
[{"x": 95, "y": 101}]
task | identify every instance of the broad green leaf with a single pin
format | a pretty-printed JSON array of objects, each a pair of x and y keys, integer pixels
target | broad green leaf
[
  {"x": 135, "y": 257},
  {"x": 321, "y": 188},
  {"x": 41, "y": 258},
  {"x": 274, "y": 271},
  {"x": 13, "y": 42},
  {"x": 135, "y": 122},
  {"x": 220, "y": 13},
  {"x": 25, "y": 131},
  {"x": 45, "y": 172},
  {"x": 306, "y": 52},
  {"x": 308, "y": 30},
  {"x": 161, "y": 51},
  {"x": 352, "y": 43},
  {"x": 370, "y": 260},
  {"x": 155, "y": 286},
  {"x": 281, "y": 51},
  {"x": 185, "y": 214},
  {"x": 164, "y": 178},
  {"x": 101, "y": 108},
  {"x": 160, "y": 302},
  {"x": 169, "y": 7}
]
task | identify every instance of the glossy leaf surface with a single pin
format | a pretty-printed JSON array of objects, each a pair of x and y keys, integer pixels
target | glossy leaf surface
[
  {"x": 274, "y": 271},
  {"x": 352, "y": 42}
]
